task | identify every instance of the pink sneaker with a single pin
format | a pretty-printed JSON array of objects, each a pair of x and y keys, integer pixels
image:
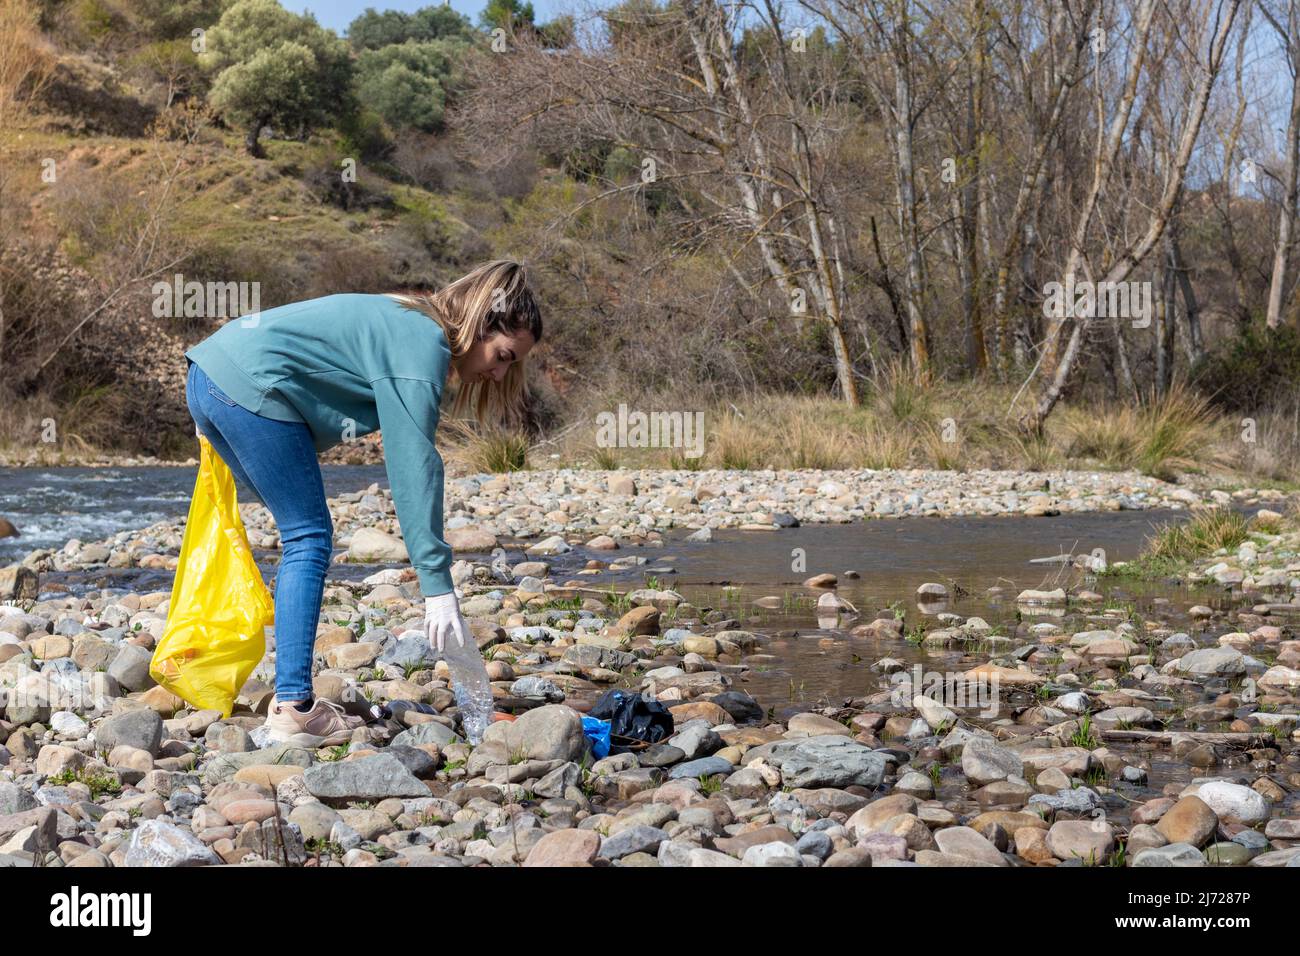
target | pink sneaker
[{"x": 324, "y": 725}]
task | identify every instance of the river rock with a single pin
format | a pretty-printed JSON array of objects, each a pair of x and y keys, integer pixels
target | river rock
[
  {"x": 1175, "y": 854},
  {"x": 968, "y": 844},
  {"x": 472, "y": 539},
  {"x": 224, "y": 766},
  {"x": 161, "y": 844},
  {"x": 130, "y": 667},
  {"x": 1189, "y": 821},
  {"x": 18, "y": 583},
  {"x": 554, "y": 544},
  {"x": 1056, "y": 596},
  {"x": 1233, "y": 803},
  {"x": 1089, "y": 840},
  {"x": 827, "y": 761},
  {"x": 1208, "y": 662},
  {"x": 565, "y": 848},
  {"x": 637, "y": 839},
  {"x": 372, "y": 546},
  {"x": 1077, "y": 800},
  {"x": 983, "y": 761},
  {"x": 141, "y": 729},
  {"x": 366, "y": 778},
  {"x": 550, "y": 732}
]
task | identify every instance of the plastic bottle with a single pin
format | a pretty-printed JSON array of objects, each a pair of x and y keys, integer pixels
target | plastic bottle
[{"x": 470, "y": 684}]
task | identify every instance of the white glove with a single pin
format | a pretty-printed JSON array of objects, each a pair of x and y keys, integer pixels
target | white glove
[{"x": 443, "y": 621}]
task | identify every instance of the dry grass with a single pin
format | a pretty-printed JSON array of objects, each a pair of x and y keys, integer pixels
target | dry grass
[
  {"x": 902, "y": 423},
  {"x": 1179, "y": 432},
  {"x": 83, "y": 425},
  {"x": 483, "y": 448},
  {"x": 899, "y": 426}
]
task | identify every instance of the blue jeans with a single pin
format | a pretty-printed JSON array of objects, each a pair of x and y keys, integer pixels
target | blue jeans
[{"x": 276, "y": 461}]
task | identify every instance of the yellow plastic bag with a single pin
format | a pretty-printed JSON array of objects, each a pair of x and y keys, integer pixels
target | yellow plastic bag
[{"x": 219, "y": 606}]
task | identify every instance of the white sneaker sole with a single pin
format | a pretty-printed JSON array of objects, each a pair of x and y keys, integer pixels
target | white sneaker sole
[
  {"x": 304, "y": 739},
  {"x": 313, "y": 740}
]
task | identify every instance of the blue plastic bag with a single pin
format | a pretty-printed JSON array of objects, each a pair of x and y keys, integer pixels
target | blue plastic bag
[{"x": 598, "y": 731}]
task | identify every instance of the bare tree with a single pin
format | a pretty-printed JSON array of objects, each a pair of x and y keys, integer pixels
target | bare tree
[
  {"x": 1065, "y": 331},
  {"x": 670, "y": 90},
  {"x": 1286, "y": 23}
]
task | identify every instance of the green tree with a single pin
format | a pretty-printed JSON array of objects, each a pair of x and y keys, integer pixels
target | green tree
[
  {"x": 407, "y": 83},
  {"x": 373, "y": 30},
  {"x": 276, "y": 68},
  {"x": 172, "y": 19},
  {"x": 508, "y": 14}
]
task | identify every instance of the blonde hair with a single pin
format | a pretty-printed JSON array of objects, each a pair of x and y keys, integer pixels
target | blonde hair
[{"x": 493, "y": 297}]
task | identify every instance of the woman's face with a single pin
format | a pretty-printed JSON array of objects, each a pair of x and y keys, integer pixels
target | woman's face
[{"x": 490, "y": 358}]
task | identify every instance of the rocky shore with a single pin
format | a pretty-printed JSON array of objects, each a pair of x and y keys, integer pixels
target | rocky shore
[{"x": 1046, "y": 739}]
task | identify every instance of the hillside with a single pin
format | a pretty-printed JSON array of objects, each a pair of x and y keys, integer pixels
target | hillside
[{"x": 279, "y": 221}]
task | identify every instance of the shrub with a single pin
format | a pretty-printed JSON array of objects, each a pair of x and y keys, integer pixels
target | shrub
[{"x": 1257, "y": 369}]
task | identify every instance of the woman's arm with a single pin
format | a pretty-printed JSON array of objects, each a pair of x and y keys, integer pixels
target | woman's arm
[{"x": 408, "y": 418}]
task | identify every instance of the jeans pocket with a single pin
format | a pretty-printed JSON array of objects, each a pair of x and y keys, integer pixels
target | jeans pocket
[{"x": 220, "y": 396}]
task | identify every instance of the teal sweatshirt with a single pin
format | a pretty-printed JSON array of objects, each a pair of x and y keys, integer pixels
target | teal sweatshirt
[{"x": 347, "y": 365}]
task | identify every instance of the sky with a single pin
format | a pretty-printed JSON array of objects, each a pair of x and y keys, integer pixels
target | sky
[{"x": 337, "y": 14}]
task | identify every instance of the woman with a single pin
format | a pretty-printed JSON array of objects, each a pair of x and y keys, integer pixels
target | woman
[{"x": 270, "y": 390}]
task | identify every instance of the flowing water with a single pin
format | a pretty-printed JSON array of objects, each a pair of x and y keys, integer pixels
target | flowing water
[{"x": 49, "y": 506}]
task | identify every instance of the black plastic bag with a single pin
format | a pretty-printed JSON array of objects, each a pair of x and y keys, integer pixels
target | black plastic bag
[{"x": 632, "y": 717}]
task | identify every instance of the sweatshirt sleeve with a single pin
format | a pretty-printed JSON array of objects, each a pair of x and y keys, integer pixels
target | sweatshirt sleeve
[{"x": 408, "y": 417}]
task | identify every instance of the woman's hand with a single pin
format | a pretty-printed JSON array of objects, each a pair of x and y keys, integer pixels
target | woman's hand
[{"x": 443, "y": 621}]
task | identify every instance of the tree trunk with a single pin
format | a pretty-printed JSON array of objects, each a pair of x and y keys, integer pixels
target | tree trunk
[
  {"x": 1193, "y": 342},
  {"x": 1277, "y": 285},
  {"x": 253, "y": 139},
  {"x": 1031, "y": 182},
  {"x": 976, "y": 355},
  {"x": 1162, "y": 327},
  {"x": 886, "y": 285},
  {"x": 905, "y": 177}
]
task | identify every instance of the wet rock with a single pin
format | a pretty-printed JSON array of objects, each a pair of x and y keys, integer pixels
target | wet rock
[
  {"x": 1056, "y": 596},
  {"x": 983, "y": 761}
]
